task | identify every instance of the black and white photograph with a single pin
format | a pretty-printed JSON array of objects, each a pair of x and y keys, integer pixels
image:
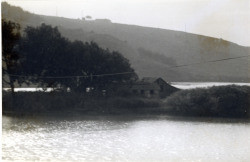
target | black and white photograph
[{"x": 125, "y": 80}]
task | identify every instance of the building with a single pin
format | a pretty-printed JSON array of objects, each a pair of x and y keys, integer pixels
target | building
[
  {"x": 147, "y": 87},
  {"x": 152, "y": 88}
]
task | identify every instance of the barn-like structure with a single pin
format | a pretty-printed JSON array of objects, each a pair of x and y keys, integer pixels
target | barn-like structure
[
  {"x": 146, "y": 87},
  {"x": 152, "y": 88}
]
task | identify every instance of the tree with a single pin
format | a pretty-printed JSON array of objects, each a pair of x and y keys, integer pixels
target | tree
[
  {"x": 98, "y": 62},
  {"x": 42, "y": 50},
  {"x": 10, "y": 57},
  {"x": 51, "y": 60}
]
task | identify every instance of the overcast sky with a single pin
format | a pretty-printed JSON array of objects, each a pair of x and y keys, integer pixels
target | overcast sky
[{"x": 226, "y": 19}]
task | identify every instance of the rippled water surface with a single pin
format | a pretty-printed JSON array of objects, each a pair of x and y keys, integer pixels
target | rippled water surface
[{"x": 128, "y": 139}]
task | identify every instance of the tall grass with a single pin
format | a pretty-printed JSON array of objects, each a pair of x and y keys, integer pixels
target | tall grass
[
  {"x": 69, "y": 102},
  {"x": 223, "y": 101}
]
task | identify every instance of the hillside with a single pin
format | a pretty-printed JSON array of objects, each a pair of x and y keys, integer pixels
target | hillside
[{"x": 151, "y": 51}]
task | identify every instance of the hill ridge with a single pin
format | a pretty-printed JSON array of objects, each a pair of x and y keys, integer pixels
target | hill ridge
[{"x": 157, "y": 44}]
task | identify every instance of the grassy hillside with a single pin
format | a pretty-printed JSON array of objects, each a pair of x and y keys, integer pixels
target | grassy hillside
[{"x": 147, "y": 48}]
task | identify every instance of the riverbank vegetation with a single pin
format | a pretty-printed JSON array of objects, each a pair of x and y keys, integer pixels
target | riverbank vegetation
[
  {"x": 224, "y": 101},
  {"x": 72, "y": 103}
]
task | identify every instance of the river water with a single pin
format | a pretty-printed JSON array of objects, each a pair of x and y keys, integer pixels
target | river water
[
  {"x": 192, "y": 85},
  {"x": 180, "y": 85},
  {"x": 158, "y": 138}
]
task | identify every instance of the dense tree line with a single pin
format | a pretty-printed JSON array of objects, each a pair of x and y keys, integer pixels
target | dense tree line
[
  {"x": 49, "y": 60},
  {"x": 10, "y": 57}
]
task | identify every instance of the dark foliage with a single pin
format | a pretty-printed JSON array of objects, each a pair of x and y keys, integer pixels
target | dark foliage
[
  {"x": 10, "y": 57},
  {"x": 224, "y": 101},
  {"x": 60, "y": 102},
  {"x": 50, "y": 60}
]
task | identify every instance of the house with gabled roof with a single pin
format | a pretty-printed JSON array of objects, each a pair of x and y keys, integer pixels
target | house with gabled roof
[
  {"x": 146, "y": 87},
  {"x": 152, "y": 88}
]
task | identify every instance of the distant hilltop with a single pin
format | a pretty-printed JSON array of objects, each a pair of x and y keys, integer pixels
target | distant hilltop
[
  {"x": 103, "y": 20},
  {"x": 152, "y": 52},
  {"x": 89, "y": 18}
]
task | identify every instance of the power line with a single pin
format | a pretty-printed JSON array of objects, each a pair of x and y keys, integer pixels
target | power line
[
  {"x": 73, "y": 76},
  {"x": 211, "y": 61},
  {"x": 23, "y": 76},
  {"x": 129, "y": 72}
]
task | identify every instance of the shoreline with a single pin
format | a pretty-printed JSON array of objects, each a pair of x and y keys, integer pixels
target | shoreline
[
  {"x": 217, "y": 102},
  {"x": 180, "y": 85},
  {"x": 130, "y": 117}
]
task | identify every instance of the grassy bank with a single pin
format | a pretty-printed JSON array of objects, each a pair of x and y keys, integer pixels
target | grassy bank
[
  {"x": 222, "y": 101},
  {"x": 63, "y": 102}
]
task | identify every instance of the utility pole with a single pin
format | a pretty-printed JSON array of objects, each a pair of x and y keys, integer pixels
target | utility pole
[
  {"x": 77, "y": 81},
  {"x": 91, "y": 77}
]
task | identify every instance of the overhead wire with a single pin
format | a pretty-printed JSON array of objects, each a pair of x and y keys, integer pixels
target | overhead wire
[
  {"x": 75, "y": 76},
  {"x": 211, "y": 61},
  {"x": 128, "y": 72}
]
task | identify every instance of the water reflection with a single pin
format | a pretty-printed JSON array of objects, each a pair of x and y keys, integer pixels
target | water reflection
[{"x": 123, "y": 139}]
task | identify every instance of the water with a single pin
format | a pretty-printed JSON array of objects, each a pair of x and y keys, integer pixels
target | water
[
  {"x": 123, "y": 139},
  {"x": 191, "y": 85},
  {"x": 181, "y": 85}
]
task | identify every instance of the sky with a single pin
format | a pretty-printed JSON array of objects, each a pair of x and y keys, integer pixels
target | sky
[{"x": 226, "y": 19}]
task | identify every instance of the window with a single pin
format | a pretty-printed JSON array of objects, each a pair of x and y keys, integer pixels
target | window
[
  {"x": 142, "y": 91},
  {"x": 134, "y": 91},
  {"x": 162, "y": 88},
  {"x": 151, "y": 92}
]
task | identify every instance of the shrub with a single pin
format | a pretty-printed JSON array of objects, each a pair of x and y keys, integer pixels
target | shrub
[
  {"x": 223, "y": 101},
  {"x": 61, "y": 102}
]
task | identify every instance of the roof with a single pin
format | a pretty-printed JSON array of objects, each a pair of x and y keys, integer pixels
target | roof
[
  {"x": 149, "y": 79},
  {"x": 148, "y": 86},
  {"x": 152, "y": 80}
]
